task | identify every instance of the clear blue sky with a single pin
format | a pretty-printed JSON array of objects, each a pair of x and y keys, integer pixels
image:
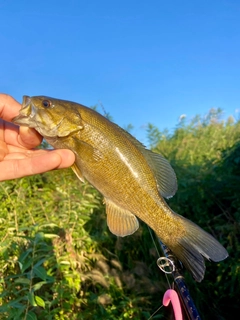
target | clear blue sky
[{"x": 145, "y": 61}]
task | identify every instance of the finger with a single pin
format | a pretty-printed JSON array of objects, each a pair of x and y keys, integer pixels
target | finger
[
  {"x": 29, "y": 138},
  {"x": 9, "y": 107},
  {"x": 19, "y": 136},
  {"x": 18, "y": 168},
  {"x": 15, "y": 152},
  {"x": 3, "y": 150},
  {"x": 9, "y": 132},
  {"x": 67, "y": 157}
]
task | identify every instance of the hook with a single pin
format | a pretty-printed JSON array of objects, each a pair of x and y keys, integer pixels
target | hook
[{"x": 171, "y": 295}]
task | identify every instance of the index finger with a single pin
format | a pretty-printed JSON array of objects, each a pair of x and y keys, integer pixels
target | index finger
[
  {"x": 9, "y": 107},
  {"x": 25, "y": 137}
]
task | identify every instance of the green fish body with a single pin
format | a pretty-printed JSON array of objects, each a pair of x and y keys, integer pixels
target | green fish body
[{"x": 133, "y": 180}]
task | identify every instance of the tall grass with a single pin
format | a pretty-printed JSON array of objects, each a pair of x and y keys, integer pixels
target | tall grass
[
  {"x": 205, "y": 154},
  {"x": 58, "y": 259}
]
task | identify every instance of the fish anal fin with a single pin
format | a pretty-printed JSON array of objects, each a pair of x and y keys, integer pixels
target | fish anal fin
[
  {"x": 77, "y": 172},
  {"x": 121, "y": 222}
]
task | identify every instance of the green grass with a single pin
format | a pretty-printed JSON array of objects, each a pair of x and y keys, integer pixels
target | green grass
[{"x": 58, "y": 259}]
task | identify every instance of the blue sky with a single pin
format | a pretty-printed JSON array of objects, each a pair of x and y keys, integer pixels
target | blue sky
[{"x": 144, "y": 61}]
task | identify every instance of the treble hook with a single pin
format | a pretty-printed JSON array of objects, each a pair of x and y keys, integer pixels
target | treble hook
[{"x": 171, "y": 295}]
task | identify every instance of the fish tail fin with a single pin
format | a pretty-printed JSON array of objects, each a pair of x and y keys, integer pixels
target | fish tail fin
[{"x": 194, "y": 246}]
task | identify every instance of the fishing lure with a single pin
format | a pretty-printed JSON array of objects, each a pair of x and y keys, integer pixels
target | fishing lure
[{"x": 171, "y": 295}]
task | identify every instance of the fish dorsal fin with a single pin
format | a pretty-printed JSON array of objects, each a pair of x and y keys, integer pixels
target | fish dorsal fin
[
  {"x": 77, "y": 172},
  {"x": 121, "y": 222},
  {"x": 162, "y": 170}
]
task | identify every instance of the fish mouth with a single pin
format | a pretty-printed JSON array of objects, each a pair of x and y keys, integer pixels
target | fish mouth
[{"x": 23, "y": 119}]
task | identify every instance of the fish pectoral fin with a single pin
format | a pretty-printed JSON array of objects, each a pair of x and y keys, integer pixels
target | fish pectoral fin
[
  {"x": 77, "y": 172},
  {"x": 87, "y": 150},
  {"x": 121, "y": 222}
]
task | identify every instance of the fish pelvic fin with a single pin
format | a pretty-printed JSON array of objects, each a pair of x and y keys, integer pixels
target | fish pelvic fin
[
  {"x": 78, "y": 172},
  {"x": 194, "y": 246},
  {"x": 121, "y": 222}
]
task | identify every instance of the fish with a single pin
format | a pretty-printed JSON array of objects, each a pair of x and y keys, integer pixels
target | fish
[{"x": 133, "y": 180}]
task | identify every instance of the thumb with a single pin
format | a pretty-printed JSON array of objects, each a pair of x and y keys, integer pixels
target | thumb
[{"x": 29, "y": 138}]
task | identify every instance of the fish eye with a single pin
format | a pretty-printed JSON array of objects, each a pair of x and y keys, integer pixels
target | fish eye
[{"x": 46, "y": 103}]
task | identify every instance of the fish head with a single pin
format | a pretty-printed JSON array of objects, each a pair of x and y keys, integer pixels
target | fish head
[{"x": 50, "y": 117}]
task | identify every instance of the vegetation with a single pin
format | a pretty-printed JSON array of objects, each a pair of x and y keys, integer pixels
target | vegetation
[{"x": 58, "y": 259}]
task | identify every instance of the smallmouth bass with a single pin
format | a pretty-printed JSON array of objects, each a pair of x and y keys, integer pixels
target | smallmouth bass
[{"x": 133, "y": 180}]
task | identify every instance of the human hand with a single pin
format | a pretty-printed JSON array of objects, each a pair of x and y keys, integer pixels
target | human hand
[{"x": 18, "y": 158}]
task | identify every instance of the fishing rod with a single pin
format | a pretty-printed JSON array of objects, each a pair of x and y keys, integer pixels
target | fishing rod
[{"x": 170, "y": 265}]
